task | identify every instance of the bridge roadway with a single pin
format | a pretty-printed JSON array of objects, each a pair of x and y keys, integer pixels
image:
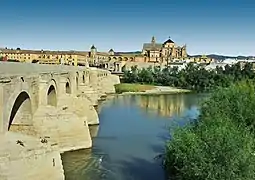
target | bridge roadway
[{"x": 45, "y": 110}]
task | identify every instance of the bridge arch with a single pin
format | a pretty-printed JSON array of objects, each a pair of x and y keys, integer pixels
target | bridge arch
[
  {"x": 119, "y": 58},
  {"x": 77, "y": 80},
  {"x": 84, "y": 77},
  {"x": 68, "y": 86},
  {"x": 87, "y": 76},
  {"x": 52, "y": 94},
  {"x": 20, "y": 112}
]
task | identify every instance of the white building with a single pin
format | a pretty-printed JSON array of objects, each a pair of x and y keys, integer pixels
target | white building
[{"x": 213, "y": 66}]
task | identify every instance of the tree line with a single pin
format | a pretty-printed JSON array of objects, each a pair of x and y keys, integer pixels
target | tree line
[{"x": 193, "y": 77}]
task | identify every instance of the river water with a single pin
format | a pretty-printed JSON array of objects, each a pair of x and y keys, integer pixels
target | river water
[{"x": 132, "y": 132}]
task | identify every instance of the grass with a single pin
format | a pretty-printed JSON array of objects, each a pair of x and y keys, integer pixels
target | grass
[{"x": 126, "y": 87}]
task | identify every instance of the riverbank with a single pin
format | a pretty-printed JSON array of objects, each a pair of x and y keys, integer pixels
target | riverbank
[{"x": 126, "y": 88}]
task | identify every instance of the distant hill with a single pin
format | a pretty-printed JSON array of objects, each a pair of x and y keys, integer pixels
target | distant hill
[
  {"x": 221, "y": 57},
  {"x": 214, "y": 56}
]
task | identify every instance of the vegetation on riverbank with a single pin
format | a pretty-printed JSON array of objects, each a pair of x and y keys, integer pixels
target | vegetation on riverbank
[
  {"x": 221, "y": 143},
  {"x": 129, "y": 87},
  {"x": 193, "y": 77}
]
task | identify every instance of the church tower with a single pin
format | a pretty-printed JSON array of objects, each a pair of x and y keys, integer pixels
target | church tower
[
  {"x": 111, "y": 52},
  {"x": 184, "y": 51},
  {"x": 153, "y": 40},
  {"x": 93, "y": 51}
]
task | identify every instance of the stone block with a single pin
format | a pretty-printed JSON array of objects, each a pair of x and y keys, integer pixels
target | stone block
[
  {"x": 62, "y": 127},
  {"x": 30, "y": 161}
]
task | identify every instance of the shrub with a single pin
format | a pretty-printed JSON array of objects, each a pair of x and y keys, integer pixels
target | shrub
[
  {"x": 236, "y": 102},
  {"x": 221, "y": 144}
]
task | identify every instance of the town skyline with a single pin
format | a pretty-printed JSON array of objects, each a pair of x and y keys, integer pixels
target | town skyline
[{"x": 217, "y": 27}]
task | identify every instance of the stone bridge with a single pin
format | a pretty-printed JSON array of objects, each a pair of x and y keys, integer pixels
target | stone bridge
[{"x": 45, "y": 110}]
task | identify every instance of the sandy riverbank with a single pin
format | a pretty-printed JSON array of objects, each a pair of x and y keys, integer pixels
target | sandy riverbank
[{"x": 160, "y": 90}]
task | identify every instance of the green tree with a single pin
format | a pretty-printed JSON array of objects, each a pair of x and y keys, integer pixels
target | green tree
[
  {"x": 247, "y": 71},
  {"x": 194, "y": 77},
  {"x": 146, "y": 76}
]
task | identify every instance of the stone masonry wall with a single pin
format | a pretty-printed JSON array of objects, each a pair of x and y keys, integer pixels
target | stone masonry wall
[
  {"x": 62, "y": 127},
  {"x": 81, "y": 107},
  {"x": 30, "y": 161}
]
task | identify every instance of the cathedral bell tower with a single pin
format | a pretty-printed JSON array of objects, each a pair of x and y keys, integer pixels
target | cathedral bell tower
[
  {"x": 153, "y": 40},
  {"x": 93, "y": 51}
]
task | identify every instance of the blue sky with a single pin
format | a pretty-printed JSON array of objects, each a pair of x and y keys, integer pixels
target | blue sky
[{"x": 207, "y": 26}]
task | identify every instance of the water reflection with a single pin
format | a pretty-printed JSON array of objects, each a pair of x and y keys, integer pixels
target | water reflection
[
  {"x": 76, "y": 162},
  {"x": 84, "y": 164},
  {"x": 132, "y": 132},
  {"x": 164, "y": 105},
  {"x": 93, "y": 130},
  {"x": 102, "y": 102}
]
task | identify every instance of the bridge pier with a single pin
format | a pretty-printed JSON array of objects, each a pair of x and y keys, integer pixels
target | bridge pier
[
  {"x": 88, "y": 88},
  {"x": 47, "y": 92},
  {"x": 77, "y": 103},
  {"x": 64, "y": 86},
  {"x": 108, "y": 83},
  {"x": 63, "y": 127}
]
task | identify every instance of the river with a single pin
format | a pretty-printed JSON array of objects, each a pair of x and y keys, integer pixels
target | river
[{"x": 132, "y": 132}]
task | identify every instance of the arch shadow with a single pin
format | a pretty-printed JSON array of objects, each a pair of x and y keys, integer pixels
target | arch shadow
[
  {"x": 52, "y": 96},
  {"x": 77, "y": 83},
  {"x": 83, "y": 78},
  {"x": 77, "y": 80},
  {"x": 21, "y": 112},
  {"x": 119, "y": 58},
  {"x": 68, "y": 88}
]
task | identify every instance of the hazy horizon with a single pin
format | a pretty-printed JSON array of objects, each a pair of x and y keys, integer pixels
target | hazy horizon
[{"x": 215, "y": 27}]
